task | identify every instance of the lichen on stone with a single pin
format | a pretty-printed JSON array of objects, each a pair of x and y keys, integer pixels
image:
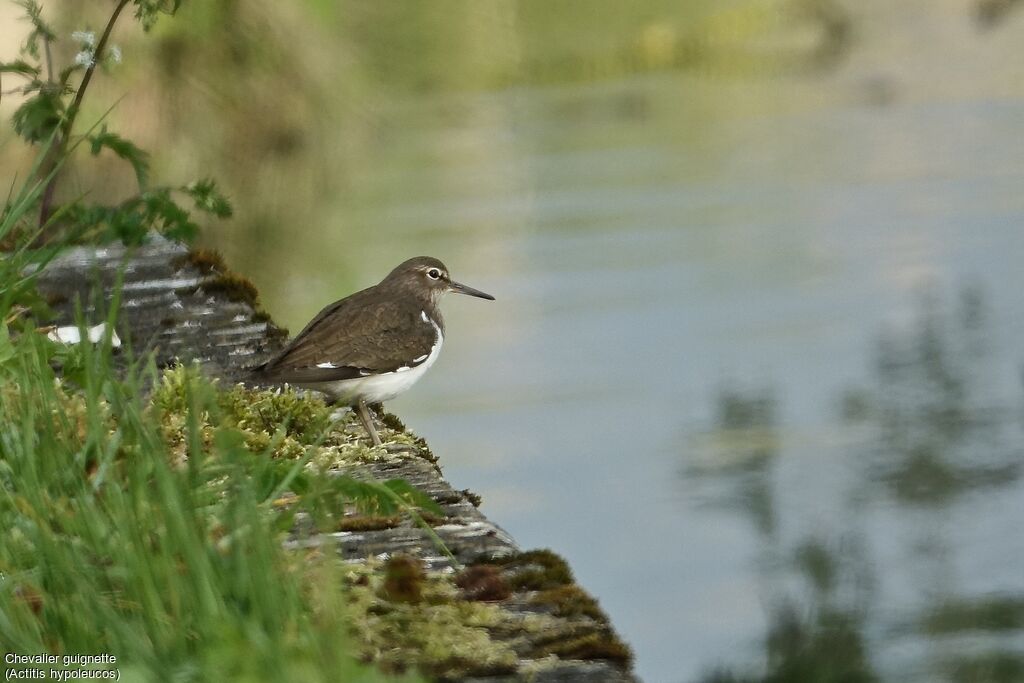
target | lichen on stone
[{"x": 438, "y": 633}]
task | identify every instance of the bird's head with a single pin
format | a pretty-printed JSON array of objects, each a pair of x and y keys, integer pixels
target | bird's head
[{"x": 427, "y": 276}]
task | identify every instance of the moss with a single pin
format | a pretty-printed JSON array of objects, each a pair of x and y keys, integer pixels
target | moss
[
  {"x": 180, "y": 387},
  {"x": 274, "y": 333},
  {"x": 403, "y": 616},
  {"x": 264, "y": 317},
  {"x": 590, "y": 646},
  {"x": 303, "y": 416},
  {"x": 403, "y": 579},
  {"x": 392, "y": 422},
  {"x": 234, "y": 287},
  {"x": 483, "y": 582},
  {"x": 472, "y": 497},
  {"x": 219, "y": 279},
  {"x": 206, "y": 261},
  {"x": 281, "y": 422},
  {"x": 570, "y": 601},
  {"x": 441, "y": 635},
  {"x": 535, "y": 570},
  {"x": 368, "y": 523},
  {"x": 448, "y": 498}
]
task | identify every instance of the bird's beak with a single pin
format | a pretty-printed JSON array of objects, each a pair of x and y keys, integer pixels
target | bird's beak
[{"x": 460, "y": 288}]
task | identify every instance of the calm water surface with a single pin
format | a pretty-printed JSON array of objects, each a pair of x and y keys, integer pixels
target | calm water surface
[{"x": 741, "y": 356}]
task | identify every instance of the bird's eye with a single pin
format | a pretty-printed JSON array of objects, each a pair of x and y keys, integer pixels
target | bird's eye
[{"x": 434, "y": 274}]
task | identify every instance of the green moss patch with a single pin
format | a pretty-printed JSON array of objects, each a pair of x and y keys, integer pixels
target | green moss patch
[
  {"x": 282, "y": 423},
  {"x": 535, "y": 570},
  {"x": 483, "y": 582},
  {"x": 473, "y": 497},
  {"x": 233, "y": 287},
  {"x": 206, "y": 261},
  {"x": 403, "y": 580},
  {"x": 570, "y": 601},
  {"x": 590, "y": 646},
  {"x": 219, "y": 279},
  {"x": 438, "y": 633},
  {"x": 369, "y": 522}
]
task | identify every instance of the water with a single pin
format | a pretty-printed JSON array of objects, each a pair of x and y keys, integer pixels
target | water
[
  {"x": 756, "y": 343},
  {"x": 646, "y": 279}
]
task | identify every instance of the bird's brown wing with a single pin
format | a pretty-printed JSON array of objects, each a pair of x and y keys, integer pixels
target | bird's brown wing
[{"x": 354, "y": 337}]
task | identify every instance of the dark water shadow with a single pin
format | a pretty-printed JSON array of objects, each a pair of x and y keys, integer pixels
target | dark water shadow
[
  {"x": 817, "y": 636},
  {"x": 741, "y": 450},
  {"x": 939, "y": 436}
]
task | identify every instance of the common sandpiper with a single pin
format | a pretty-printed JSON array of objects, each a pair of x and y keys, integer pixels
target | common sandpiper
[{"x": 372, "y": 345}]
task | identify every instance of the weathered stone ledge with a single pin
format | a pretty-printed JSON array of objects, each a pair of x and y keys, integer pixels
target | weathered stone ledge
[{"x": 185, "y": 305}]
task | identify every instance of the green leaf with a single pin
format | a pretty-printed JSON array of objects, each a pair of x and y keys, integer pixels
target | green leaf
[
  {"x": 38, "y": 117},
  {"x": 413, "y": 496},
  {"x": 367, "y": 496},
  {"x": 208, "y": 198},
  {"x": 125, "y": 149},
  {"x": 40, "y": 29},
  {"x": 148, "y": 11},
  {"x": 19, "y": 66},
  {"x": 166, "y": 216},
  {"x": 7, "y": 353}
]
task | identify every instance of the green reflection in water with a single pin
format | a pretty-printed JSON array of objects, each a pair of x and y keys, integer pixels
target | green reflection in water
[
  {"x": 937, "y": 434},
  {"x": 819, "y": 639},
  {"x": 741, "y": 452}
]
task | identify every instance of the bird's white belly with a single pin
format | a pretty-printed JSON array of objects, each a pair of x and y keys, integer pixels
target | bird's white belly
[{"x": 382, "y": 387}]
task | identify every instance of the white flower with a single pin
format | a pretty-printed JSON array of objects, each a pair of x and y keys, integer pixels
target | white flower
[
  {"x": 86, "y": 38},
  {"x": 85, "y": 58},
  {"x": 114, "y": 54}
]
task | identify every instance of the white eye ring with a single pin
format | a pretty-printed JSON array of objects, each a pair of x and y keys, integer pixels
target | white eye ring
[{"x": 434, "y": 274}]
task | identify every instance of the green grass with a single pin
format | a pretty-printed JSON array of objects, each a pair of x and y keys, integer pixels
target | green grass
[
  {"x": 174, "y": 565},
  {"x": 149, "y": 528}
]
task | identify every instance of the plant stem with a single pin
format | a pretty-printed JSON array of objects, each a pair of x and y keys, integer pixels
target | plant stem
[
  {"x": 46, "y": 207},
  {"x": 49, "y": 61}
]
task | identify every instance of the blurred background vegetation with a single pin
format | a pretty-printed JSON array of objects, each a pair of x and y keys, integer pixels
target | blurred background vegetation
[{"x": 290, "y": 103}]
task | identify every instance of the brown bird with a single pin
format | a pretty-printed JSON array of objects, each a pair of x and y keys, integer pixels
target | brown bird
[{"x": 373, "y": 345}]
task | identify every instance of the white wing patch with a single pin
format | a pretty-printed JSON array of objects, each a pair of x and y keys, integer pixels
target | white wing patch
[{"x": 326, "y": 366}]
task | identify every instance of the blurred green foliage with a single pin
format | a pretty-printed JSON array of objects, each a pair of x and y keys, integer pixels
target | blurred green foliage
[{"x": 52, "y": 97}]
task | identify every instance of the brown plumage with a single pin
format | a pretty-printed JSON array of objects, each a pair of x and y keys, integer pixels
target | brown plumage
[
  {"x": 374, "y": 344},
  {"x": 360, "y": 335}
]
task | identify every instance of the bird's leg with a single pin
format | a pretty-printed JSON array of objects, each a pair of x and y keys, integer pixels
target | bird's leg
[{"x": 364, "y": 415}]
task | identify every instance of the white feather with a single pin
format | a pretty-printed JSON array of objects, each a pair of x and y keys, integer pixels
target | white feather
[{"x": 384, "y": 386}]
